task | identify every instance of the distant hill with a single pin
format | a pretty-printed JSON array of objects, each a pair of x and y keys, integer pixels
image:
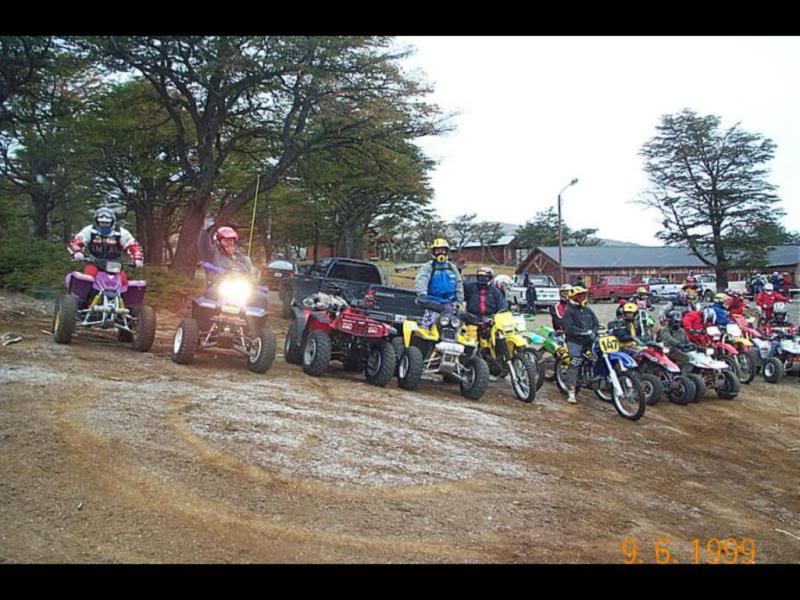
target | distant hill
[{"x": 510, "y": 228}]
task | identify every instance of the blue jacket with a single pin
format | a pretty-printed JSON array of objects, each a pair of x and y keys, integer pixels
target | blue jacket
[{"x": 723, "y": 316}]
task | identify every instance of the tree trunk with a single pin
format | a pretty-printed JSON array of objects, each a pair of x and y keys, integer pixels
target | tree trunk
[
  {"x": 185, "y": 259},
  {"x": 40, "y": 214}
]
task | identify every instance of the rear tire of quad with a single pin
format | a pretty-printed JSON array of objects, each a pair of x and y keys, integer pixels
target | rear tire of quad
[
  {"x": 699, "y": 386},
  {"x": 292, "y": 349},
  {"x": 267, "y": 347},
  {"x": 731, "y": 388},
  {"x": 64, "y": 319},
  {"x": 652, "y": 387},
  {"x": 399, "y": 348},
  {"x": 773, "y": 370},
  {"x": 409, "y": 371},
  {"x": 681, "y": 390},
  {"x": 316, "y": 353},
  {"x": 380, "y": 365},
  {"x": 145, "y": 332},
  {"x": 480, "y": 379},
  {"x": 185, "y": 341}
]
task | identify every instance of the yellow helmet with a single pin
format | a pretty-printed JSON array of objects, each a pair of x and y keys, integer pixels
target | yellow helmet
[
  {"x": 438, "y": 244},
  {"x": 578, "y": 295},
  {"x": 721, "y": 298},
  {"x": 642, "y": 291},
  {"x": 630, "y": 309}
]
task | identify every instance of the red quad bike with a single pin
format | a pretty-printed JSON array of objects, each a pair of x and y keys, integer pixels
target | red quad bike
[
  {"x": 711, "y": 338},
  {"x": 104, "y": 302},
  {"x": 328, "y": 327},
  {"x": 659, "y": 374}
]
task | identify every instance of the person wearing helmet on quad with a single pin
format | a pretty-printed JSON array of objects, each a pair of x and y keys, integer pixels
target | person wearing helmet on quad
[
  {"x": 736, "y": 305},
  {"x": 640, "y": 299},
  {"x": 627, "y": 328},
  {"x": 483, "y": 298},
  {"x": 580, "y": 329},
  {"x": 105, "y": 239},
  {"x": 719, "y": 306},
  {"x": 779, "y": 318},
  {"x": 219, "y": 245},
  {"x": 674, "y": 337},
  {"x": 439, "y": 278},
  {"x": 767, "y": 299},
  {"x": 557, "y": 310},
  {"x": 691, "y": 288}
]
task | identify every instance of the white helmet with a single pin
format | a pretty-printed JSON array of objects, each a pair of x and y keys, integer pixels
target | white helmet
[
  {"x": 780, "y": 307},
  {"x": 769, "y": 287},
  {"x": 502, "y": 282}
]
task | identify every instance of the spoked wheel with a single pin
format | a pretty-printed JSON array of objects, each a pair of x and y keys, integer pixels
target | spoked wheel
[
  {"x": 526, "y": 376},
  {"x": 631, "y": 404},
  {"x": 746, "y": 362}
]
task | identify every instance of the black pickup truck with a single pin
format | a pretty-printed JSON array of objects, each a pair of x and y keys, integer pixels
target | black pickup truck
[{"x": 354, "y": 278}]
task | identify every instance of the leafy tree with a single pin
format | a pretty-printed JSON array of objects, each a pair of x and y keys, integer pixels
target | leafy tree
[
  {"x": 487, "y": 232},
  {"x": 710, "y": 187},
  {"x": 463, "y": 229},
  {"x": 542, "y": 230}
]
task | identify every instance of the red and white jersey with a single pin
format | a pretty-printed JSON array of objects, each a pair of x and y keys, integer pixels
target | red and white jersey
[{"x": 108, "y": 246}]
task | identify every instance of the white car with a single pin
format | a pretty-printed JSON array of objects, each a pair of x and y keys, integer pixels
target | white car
[{"x": 546, "y": 292}]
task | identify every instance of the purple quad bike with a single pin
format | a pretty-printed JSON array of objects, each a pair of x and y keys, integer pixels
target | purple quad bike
[
  {"x": 104, "y": 302},
  {"x": 230, "y": 320}
]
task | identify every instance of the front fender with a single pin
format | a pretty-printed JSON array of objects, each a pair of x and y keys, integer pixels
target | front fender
[
  {"x": 625, "y": 359},
  {"x": 728, "y": 348}
]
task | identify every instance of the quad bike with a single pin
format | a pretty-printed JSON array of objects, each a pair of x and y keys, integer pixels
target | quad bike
[
  {"x": 329, "y": 327},
  {"x": 714, "y": 374},
  {"x": 610, "y": 373},
  {"x": 103, "y": 301},
  {"x": 746, "y": 359},
  {"x": 442, "y": 343},
  {"x": 782, "y": 355},
  {"x": 507, "y": 351},
  {"x": 227, "y": 322},
  {"x": 659, "y": 374},
  {"x": 711, "y": 341}
]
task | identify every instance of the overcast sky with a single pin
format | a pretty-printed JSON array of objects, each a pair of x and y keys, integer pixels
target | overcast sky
[{"x": 535, "y": 112}]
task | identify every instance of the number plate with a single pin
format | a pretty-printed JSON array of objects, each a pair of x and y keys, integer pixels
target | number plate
[
  {"x": 278, "y": 275},
  {"x": 609, "y": 344}
]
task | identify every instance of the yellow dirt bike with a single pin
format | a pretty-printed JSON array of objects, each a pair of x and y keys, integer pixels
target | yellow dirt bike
[
  {"x": 507, "y": 351},
  {"x": 442, "y": 344}
]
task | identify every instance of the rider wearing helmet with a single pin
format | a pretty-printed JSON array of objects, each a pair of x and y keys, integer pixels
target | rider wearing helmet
[
  {"x": 580, "y": 329},
  {"x": 640, "y": 299},
  {"x": 627, "y": 328},
  {"x": 439, "y": 278},
  {"x": 674, "y": 337},
  {"x": 105, "y": 239},
  {"x": 557, "y": 310},
  {"x": 722, "y": 316},
  {"x": 691, "y": 288},
  {"x": 777, "y": 281},
  {"x": 767, "y": 299},
  {"x": 482, "y": 297},
  {"x": 779, "y": 318},
  {"x": 736, "y": 304}
]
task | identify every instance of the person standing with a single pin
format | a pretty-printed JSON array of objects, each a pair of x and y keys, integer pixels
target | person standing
[{"x": 580, "y": 329}]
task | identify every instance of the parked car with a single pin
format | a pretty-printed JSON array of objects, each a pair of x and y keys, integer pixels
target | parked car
[
  {"x": 614, "y": 287},
  {"x": 276, "y": 275}
]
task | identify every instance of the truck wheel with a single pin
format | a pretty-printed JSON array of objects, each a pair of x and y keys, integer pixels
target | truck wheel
[
  {"x": 409, "y": 371},
  {"x": 476, "y": 374},
  {"x": 64, "y": 318},
  {"x": 292, "y": 350},
  {"x": 773, "y": 370},
  {"x": 699, "y": 386},
  {"x": 316, "y": 353},
  {"x": 185, "y": 341},
  {"x": 262, "y": 350},
  {"x": 381, "y": 362},
  {"x": 145, "y": 332},
  {"x": 652, "y": 387}
]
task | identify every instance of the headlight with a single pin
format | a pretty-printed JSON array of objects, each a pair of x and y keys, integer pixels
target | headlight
[
  {"x": 455, "y": 322},
  {"x": 235, "y": 291},
  {"x": 665, "y": 350},
  {"x": 710, "y": 351},
  {"x": 444, "y": 321}
]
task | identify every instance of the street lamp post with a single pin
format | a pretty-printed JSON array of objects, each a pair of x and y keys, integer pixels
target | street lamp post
[{"x": 560, "y": 240}]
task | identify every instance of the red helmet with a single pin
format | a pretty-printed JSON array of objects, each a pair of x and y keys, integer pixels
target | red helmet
[{"x": 226, "y": 239}]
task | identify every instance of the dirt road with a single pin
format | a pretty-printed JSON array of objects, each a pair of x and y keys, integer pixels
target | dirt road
[{"x": 107, "y": 455}]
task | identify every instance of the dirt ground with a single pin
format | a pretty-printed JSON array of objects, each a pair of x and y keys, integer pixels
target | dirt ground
[{"x": 111, "y": 456}]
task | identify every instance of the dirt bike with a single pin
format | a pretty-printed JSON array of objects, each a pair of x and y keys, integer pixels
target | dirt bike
[
  {"x": 507, "y": 351},
  {"x": 333, "y": 327},
  {"x": 715, "y": 374},
  {"x": 660, "y": 375},
  {"x": 104, "y": 302},
  {"x": 610, "y": 373},
  {"x": 536, "y": 343},
  {"x": 227, "y": 322},
  {"x": 553, "y": 346},
  {"x": 442, "y": 344}
]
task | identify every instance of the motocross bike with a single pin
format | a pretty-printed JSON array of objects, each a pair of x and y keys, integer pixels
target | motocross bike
[
  {"x": 506, "y": 350},
  {"x": 553, "y": 347},
  {"x": 441, "y": 343},
  {"x": 659, "y": 374},
  {"x": 714, "y": 374},
  {"x": 103, "y": 301},
  {"x": 227, "y": 322},
  {"x": 333, "y": 327},
  {"x": 610, "y": 373}
]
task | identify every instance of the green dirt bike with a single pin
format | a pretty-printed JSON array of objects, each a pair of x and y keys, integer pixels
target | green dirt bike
[{"x": 553, "y": 347}]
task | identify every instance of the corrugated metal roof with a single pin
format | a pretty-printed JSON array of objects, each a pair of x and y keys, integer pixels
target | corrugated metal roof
[
  {"x": 588, "y": 257},
  {"x": 503, "y": 241}
]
